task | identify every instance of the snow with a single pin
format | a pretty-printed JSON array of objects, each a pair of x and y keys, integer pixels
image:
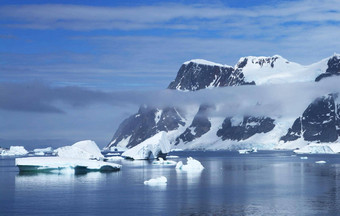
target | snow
[
  {"x": 192, "y": 165},
  {"x": 86, "y": 149},
  {"x": 150, "y": 148},
  {"x": 158, "y": 115},
  {"x": 162, "y": 162},
  {"x": 282, "y": 72},
  {"x": 157, "y": 181},
  {"x": 205, "y": 62},
  {"x": 14, "y": 151},
  {"x": 44, "y": 163},
  {"x": 320, "y": 162}
]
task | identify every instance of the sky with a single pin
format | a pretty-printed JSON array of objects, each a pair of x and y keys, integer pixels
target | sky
[{"x": 73, "y": 70}]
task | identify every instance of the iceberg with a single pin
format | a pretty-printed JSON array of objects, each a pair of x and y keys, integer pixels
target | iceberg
[
  {"x": 14, "y": 151},
  {"x": 82, "y": 156},
  {"x": 43, "y": 151},
  {"x": 157, "y": 181},
  {"x": 163, "y": 162},
  {"x": 86, "y": 149},
  {"x": 154, "y": 147},
  {"x": 58, "y": 163},
  {"x": 192, "y": 165},
  {"x": 320, "y": 162}
]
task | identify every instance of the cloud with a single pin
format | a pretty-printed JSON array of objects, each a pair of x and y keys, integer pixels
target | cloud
[
  {"x": 168, "y": 16},
  {"x": 274, "y": 100}
]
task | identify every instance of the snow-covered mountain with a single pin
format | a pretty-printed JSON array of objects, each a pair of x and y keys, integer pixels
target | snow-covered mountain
[{"x": 198, "y": 127}]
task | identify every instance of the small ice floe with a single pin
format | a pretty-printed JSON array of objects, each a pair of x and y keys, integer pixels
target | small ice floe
[
  {"x": 113, "y": 154},
  {"x": 247, "y": 151},
  {"x": 176, "y": 150},
  {"x": 162, "y": 162},
  {"x": 157, "y": 181},
  {"x": 172, "y": 156},
  {"x": 243, "y": 151},
  {"x": 14, "y": 151},
  {"x": 114, "y": 158},
  {"x": 303, "y": 158},
  {"x": 192, "y": 165},
  {"x": 320, "y": 162}
]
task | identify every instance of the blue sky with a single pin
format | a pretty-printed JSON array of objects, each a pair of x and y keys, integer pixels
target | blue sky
[{"x": 139, "y": 46}]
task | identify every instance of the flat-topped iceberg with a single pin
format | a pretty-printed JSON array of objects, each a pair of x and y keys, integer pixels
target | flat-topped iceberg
[
  {"x": 154, "y": 147},
  {"x": 82, "y": 156},
  {"x": 14, "y": 151},
  {"x": 192, "y": 165},
  {"x": 157, "y": 181}
]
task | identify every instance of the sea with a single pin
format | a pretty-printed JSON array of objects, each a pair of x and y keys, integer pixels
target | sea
[{"x": 262, "y": 183}]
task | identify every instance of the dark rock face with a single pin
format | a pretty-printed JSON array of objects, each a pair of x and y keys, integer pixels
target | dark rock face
[
  {"x": 194, "y": 76},
  {"x": 319, "y": 122},
  {"x": 145, "y": 124},
  {"x": 247, "y": 128},
  {"x": 260, "y": 61},
  {"x": 199, "y": 126},
  {"x": 332, "y": 70}
]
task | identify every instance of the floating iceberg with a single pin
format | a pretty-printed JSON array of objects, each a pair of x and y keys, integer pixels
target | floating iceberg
[
  {"x": 192, "y": 165},
  {"x": 157, "y": 181},
  {"x": 320, "y": 162},
  {"x": 162, "y": 162},
  {"x": 86, "y": 149},
  {"x": 154, "y": 147},
  {"x": 82, "y": 156},
  {"x": 43, "y": 151},
  {"x": 58, "y": 163},
  {"x": 303, "y": 158},
  {"x": 114, "y": 158},
  {"x": 172, "y": 156},
  {"x": 14, "y": 151}
]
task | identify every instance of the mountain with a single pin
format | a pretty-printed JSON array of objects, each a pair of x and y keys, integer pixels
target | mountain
[
  {"x": 320, "y": 122},
  {"x": 199, "y": 127}
]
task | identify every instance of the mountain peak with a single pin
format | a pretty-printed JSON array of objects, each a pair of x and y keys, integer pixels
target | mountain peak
[{"x": 204, "y": 62}]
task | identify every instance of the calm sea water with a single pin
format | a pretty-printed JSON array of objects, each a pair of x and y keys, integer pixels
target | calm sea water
[{"x": 263, "y": 183}]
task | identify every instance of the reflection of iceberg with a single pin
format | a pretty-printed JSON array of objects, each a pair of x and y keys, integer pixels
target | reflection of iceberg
[
  {"x": 192, "y": 165},
  {"x": 14, "y": 151},
  {"x": 154, "y": 147},
  {"x": 156, "y": 181},
  {"x": 82, "y": 156},
  {"x": 162, "y": 162}
]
